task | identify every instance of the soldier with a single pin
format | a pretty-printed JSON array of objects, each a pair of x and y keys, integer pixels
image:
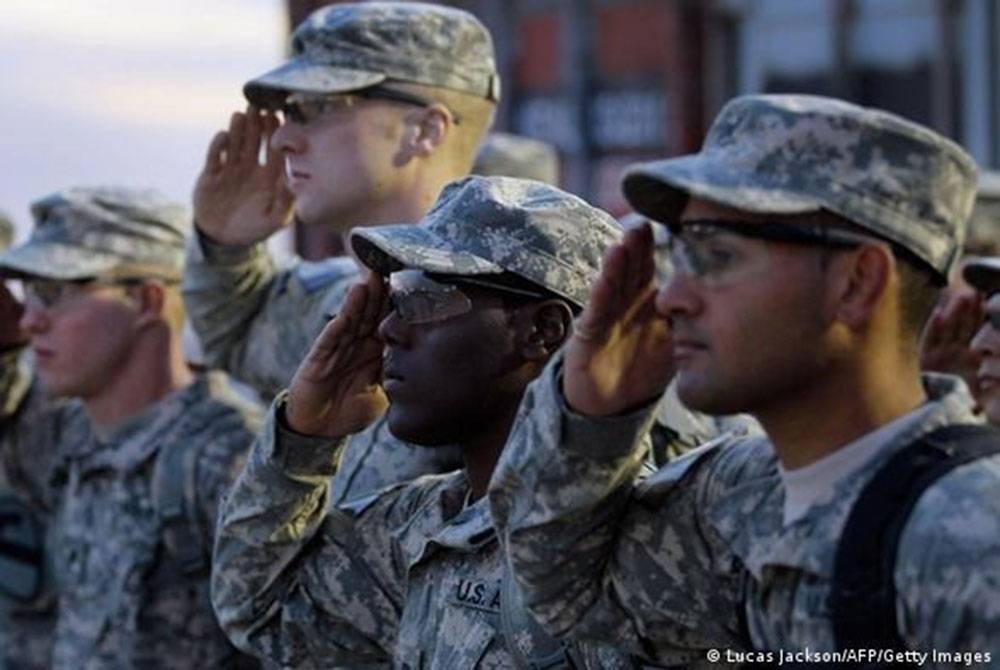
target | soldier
[
  {"x": 26, "y": 603},
  {"x": 984, "y": 275},
  {"x": 482, "y": 293},
  {"x": 383, "y": 103},
  {"x": 810, "y": 239},
  {"x": 143, "y": 452}
]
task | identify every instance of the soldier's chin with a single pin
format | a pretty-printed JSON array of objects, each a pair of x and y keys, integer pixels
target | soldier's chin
[
  {"x": 421, "y": 431},
  {"x": 702, "y": 396}
]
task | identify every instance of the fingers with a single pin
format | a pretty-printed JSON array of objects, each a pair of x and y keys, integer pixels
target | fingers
[
  {"x": 373, "y": 308},
  {"x": 213, "y": 159},
  {"x": 341, "y": 329},
  {"x": 237, "y": 135}
]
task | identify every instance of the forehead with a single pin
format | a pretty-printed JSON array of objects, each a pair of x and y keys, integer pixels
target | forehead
[{"x": 993, "y": 302}]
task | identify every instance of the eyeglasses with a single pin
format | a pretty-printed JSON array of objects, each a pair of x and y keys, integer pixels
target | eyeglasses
[
  {"x": 305, "y": 109},
  {"x": 47, "y": 293},
  {"x": 715, "y": 250},
  {"x": 417, "y": 298}
]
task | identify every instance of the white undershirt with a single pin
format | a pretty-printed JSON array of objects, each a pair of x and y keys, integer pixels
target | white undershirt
[{"x": 814, "y": 484}]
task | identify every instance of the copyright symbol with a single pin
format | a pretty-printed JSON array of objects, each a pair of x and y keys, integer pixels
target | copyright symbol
[{"x": 713, "y": 655}]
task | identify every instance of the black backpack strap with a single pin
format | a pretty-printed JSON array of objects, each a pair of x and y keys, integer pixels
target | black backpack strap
[{"x": 863, "y": 596}]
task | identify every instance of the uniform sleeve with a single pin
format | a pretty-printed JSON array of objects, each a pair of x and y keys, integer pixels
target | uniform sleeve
[
  {"x": 598, "y": 556},
  {"x": 252, "y": 319},
  {"x": 948, "y": 566},
  {"x": 33, "y": 427},
  {"x": 294, "y": 583}
]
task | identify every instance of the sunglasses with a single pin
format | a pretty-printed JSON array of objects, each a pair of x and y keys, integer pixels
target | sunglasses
[{"x": 304, "y": 109}]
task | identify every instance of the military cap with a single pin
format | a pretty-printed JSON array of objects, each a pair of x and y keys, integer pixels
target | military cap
[
  {"x": 983, "y": 274},
  {"x": 794, "y": 154},
  {"x": 6, "y": 232},
  {"x": 351, "y": 46},
  {"x": 507, "y": 155},
  {"x": 495, "y": 225},
  {"x": 101, "y": 233}
]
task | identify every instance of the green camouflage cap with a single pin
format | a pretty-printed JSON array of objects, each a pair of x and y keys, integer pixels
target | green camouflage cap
[
  {"x": 507, "y": 155},
  {"x": 983, "y": 274},
  {"x": 351, "y": 46},
  {"x": 793, "y": 154},
  {"x": 101, "y": 233},
  {"x": 492, "y": 225},
  {"x": 6, "y": 232}
]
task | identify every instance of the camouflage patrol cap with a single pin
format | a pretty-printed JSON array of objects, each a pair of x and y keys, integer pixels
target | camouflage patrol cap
[
  {"x": 983, "y": 274},
  {"x": 493, "y": 225},
  {"x": 507, "y": 155},
  {"x": 352, "y": 46},
  {"x": 6, "y": 232},
  {"x": 101, "y": 233},
  {"x": 794, "y": 154}
]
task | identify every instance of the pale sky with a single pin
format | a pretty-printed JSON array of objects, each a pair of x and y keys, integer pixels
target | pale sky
[{"x": 122, "y": 91}]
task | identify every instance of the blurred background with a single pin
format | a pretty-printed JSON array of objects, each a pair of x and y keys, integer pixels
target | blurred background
[{"x": 131, "y": 91}]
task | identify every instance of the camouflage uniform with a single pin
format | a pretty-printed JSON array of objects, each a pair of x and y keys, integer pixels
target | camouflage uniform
[
  {"x": 26, "y": 603},
  {"x": 257, "y": 321},
  {"x": 413, "y": 573},
  {"x": 699, "y": 556},
  {"x": 123, "y": 598}
]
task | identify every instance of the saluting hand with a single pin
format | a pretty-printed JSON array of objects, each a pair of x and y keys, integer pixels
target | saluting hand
[
  {"x": 945, "y": 345},
  {"x": 237, "y": 200},
  {"x": 337, "y": 390},
  {"x": 620, "y": 354}
]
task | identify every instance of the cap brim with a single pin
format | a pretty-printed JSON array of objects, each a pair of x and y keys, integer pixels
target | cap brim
[
  {"x": 660, "y": 189},
  {"x": 54, "y": 261},
  {"x": 388, "y": 249},
  {"x": 300, "y": 75},
  {"x": 983, "y": 274}
]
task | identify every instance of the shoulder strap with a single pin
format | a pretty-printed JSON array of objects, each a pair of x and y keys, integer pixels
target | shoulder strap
[
  {"x": 863, "y": 596},
  {"x": 175, "y": 491}
]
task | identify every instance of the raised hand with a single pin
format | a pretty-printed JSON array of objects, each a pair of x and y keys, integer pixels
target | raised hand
[
  {"x": 337, "y": 390},
  {"x": 620, "y": 354},
  {"x": 944, "y": 344},
  {"x": 236, "y": 199}
]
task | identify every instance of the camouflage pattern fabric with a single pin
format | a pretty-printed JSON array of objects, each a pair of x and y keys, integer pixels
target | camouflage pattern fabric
[
  {"x": 491, "y": 225},
  {"x": 105, "y": 232},
  {"x": 410, "y": 576},
  {"x": 375, "y": 459},
  {"x": 30, "y": 424},
  {"x": 666, "y": 567},
  {"x": 122, "y": 603},
  {"x": 792, "y": 154},
  {"x": 509, "y": 155},
  {"x": 351, "y": 46}
]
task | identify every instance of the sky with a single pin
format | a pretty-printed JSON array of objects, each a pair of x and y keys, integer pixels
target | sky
[{"x": 123, "y": 92}]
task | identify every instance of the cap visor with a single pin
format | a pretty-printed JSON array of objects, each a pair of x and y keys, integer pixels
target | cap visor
[
  {"x": 303, "y": 76},
  {"x": 661, "y": 189},
  {"x": 53, "y": 261},
  {"x": 983, "y": 274},
  {"x": 388, "y": 249}
]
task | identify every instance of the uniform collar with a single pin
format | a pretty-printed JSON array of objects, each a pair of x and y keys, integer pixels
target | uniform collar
[
  {"x": 749, "y": 515},
  {"x": 447, "y": 522},
  {"x": 130, "y": 444}
]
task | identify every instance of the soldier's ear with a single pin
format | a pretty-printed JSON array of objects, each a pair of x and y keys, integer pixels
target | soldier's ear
[
  {"x": 150, "y": 299},
  {"x": 861, "y": 282},
  {"x": 548, "y": 324},
  {"x": 429, "y": 129}
]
